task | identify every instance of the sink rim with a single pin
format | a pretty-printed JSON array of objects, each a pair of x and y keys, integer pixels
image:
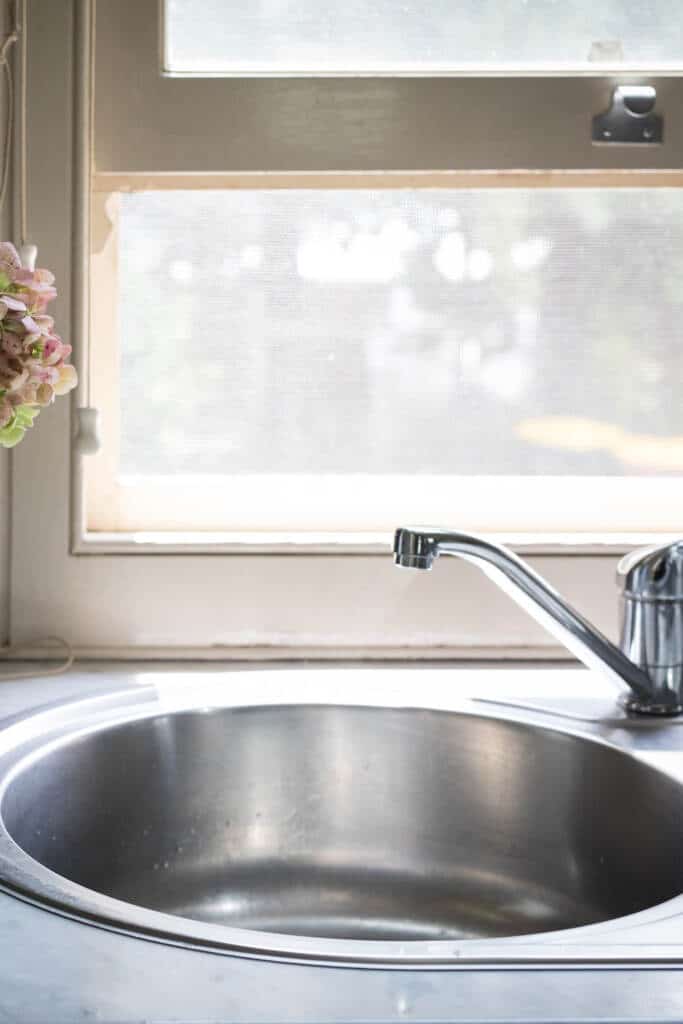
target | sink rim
[{"x": 34, "y": 735}]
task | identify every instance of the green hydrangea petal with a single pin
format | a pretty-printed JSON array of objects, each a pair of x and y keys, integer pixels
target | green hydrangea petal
[{"x": 11, "y": 435}]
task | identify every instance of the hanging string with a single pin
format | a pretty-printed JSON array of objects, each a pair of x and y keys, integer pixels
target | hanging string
[
  {"x": 23, "y": 106},
  {"x": 87, "y": 440},
  {"x": 27, "y": 251},
  {"x": 91, "y": 136},
  {"x": 7, "y": 44}
]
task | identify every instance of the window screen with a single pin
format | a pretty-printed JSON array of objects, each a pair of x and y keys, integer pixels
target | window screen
[{"x": 480, "y": 332}]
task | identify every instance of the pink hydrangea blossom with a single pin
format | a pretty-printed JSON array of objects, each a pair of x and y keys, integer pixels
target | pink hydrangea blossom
[{"x": 33, "y": 358}]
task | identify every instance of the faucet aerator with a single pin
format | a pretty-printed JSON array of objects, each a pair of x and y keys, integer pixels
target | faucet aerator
[
  {"x": 423, "y": 562},
  {"x": 414, "y": 549}
]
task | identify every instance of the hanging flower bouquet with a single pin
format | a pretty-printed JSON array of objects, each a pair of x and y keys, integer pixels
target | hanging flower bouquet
[{"x": 33, "y": 367}]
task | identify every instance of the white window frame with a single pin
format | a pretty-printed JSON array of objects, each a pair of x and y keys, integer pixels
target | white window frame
[{"x": 290, "y": 597}]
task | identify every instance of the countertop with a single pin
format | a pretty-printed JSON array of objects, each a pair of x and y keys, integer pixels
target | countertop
[{"x": 60, "y": 970}]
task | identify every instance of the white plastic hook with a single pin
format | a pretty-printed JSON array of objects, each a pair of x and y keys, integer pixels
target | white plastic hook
[
  {"x": 28, "y": 254},
  {"x": 87, "y": 439}
]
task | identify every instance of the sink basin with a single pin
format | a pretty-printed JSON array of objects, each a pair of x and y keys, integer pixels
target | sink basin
[{"x": 278, "y": 828}]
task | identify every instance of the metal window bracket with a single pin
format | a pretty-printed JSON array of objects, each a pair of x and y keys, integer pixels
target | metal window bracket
[{"x": 630, "y": 119}]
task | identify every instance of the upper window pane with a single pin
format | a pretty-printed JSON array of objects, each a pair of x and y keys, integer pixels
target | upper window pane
[{"x": 216, "y": 37}]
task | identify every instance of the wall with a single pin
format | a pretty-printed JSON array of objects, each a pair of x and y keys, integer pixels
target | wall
[
  {"x": 5, "y": 232},
  {"x": 4, "y": 545}
]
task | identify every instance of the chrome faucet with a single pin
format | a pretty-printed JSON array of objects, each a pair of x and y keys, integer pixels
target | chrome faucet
[{"x": 650, "y": 661}]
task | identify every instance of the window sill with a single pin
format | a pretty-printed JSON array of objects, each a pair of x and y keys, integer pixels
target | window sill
[{"x": 343, "y": 544}]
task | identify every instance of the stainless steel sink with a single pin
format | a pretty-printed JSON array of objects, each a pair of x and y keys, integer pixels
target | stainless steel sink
[{"x": 332, "y": 831}]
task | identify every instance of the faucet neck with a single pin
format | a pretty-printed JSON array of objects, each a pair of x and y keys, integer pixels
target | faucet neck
[{"x": 418, "y": 547}]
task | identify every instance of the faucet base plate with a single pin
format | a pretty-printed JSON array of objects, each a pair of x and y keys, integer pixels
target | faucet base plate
[{"x": 639, "y": 707}]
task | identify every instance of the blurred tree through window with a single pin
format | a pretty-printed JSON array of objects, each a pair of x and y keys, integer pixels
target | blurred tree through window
[{"x": 502, "y": 331}]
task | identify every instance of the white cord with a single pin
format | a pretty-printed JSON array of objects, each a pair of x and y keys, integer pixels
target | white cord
[
  {"x": 34, "y": 673},
  {"x": 87, "y": 439},
  {"x": 9, "y": 116},
  {"x": 23, "y": 142},
  {"x": 91, "y": 137}
]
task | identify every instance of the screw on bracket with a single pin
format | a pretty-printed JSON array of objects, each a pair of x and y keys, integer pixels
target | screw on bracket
[{"x": 630, "y": 120}]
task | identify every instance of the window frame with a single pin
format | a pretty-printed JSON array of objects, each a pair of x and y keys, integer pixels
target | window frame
[
  {"x": 355, "y": 123},
  {"x": 579, "y": 68},
  {"x": 158, "y": 508},
  {"x": 150, "y": 596}
]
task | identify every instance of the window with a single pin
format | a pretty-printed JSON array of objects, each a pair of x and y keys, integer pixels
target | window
[
  {"x": 329, "y": 295},
  {"x": 480, "y": 338},
  {"x": 215, "y": 37}
]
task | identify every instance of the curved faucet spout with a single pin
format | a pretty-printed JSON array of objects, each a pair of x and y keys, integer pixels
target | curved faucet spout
[{"x": 416, "y": 548}]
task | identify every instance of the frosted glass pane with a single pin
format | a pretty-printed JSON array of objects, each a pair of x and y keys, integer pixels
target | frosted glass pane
[
  {"x": 290, "y": 36},
  {"x": 437, "y": 331}
]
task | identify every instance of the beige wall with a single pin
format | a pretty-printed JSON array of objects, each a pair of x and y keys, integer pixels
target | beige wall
[
  {"x": 4, "y": 455},
  {"x": 4, "y": 544}
]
